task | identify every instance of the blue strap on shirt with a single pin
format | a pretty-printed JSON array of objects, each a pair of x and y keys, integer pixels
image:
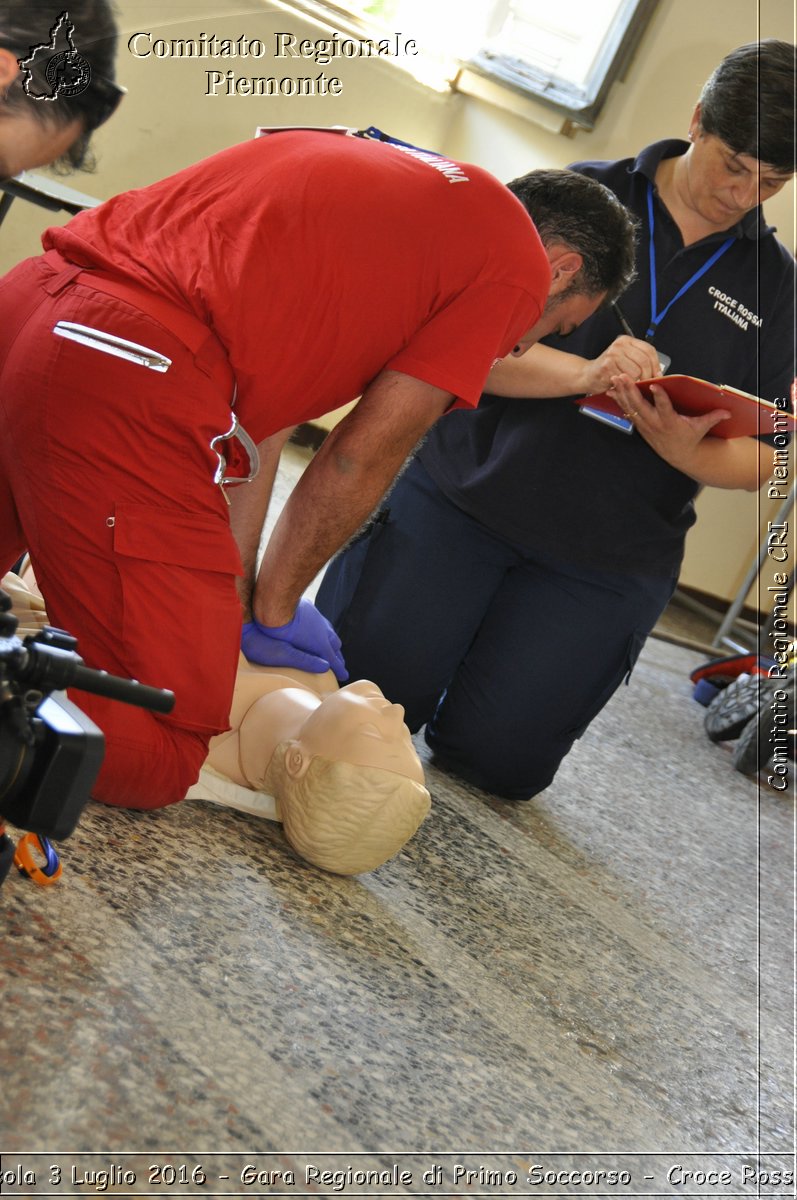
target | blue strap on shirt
[
  {"x": 657, "y": 317},
  {"x": 377, "y": 135}
]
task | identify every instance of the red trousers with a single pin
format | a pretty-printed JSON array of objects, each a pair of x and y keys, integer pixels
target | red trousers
[{"x": 108, "y": 480}]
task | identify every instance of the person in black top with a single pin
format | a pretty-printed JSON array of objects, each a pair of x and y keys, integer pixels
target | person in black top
[{"x": 507, "y": 588}]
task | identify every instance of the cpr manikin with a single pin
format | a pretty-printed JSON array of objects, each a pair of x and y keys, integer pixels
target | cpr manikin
[{"x": 336, "y": 766}]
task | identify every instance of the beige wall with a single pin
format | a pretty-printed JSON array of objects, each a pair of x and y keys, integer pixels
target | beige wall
[{"x": 167, "y": 121}]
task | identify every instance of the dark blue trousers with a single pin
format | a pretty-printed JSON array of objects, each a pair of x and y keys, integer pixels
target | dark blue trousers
[{"x": 506, "y": 656}]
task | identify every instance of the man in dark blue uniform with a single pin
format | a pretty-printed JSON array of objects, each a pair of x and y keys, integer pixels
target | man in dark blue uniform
[{"x": 524, "y": 557}]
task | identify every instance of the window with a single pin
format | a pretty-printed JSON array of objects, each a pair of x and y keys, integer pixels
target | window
[{"x": 565, "y": 54}]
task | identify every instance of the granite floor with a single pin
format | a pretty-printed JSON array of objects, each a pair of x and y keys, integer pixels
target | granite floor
[{"x": 600, "y": 978}]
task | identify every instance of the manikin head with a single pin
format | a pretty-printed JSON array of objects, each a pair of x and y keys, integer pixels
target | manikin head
[
  {"x": 350, "y": 787},
  {"x": 359, "y": 725},
  {"x": 345, "y": 780}
]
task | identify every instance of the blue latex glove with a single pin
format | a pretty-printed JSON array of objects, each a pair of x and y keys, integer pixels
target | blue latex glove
[{"x": 308, "y": 642}]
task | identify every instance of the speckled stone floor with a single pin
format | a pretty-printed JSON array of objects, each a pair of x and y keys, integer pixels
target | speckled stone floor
[{"x": 604, "y": 971}]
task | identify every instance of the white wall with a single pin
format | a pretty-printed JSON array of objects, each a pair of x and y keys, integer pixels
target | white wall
[{"x": 168, "y": 121}]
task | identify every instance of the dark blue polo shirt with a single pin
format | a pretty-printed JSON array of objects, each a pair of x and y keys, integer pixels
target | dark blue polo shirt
[{"x": 542, "y": 474}]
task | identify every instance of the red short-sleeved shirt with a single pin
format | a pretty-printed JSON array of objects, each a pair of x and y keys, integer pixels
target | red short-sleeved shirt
[{"x": 320, "y": 259}]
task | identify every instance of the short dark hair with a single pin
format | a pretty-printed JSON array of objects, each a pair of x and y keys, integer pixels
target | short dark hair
[
  {"x": 586, "y": 217},
  {"x": 748, "y": 102},
  {"x": 27, "y": 23}
]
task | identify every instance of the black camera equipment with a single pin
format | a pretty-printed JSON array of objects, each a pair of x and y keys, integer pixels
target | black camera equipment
[{"x": 50, "y": 752}]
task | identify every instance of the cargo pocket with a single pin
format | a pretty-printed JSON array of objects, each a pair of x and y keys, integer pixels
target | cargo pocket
[
  {"x": 623, "y": 675},
  {"x": 181, "y": 615}
]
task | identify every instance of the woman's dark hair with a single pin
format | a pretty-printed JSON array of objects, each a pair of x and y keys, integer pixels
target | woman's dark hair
[
  {"x": 586, "y": 217},
  {"x": 748, "y": 103},
  {"x": 25, "y": 24}
]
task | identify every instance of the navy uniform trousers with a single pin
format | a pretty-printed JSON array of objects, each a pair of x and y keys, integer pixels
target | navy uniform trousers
[{"x": 432, "y": 606}]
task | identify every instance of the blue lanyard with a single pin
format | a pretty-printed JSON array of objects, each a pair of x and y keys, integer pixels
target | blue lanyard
[
  {"x": 657, "y": 317},
  {"x": 376, "y": 135}
]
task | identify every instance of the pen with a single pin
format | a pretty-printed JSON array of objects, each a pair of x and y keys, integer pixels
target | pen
[
  {"x": 618, "y": 312},
  {"x": 664, "y": 359}
]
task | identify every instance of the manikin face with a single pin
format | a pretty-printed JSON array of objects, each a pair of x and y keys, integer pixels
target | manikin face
[{"x": 357, "y": 724}]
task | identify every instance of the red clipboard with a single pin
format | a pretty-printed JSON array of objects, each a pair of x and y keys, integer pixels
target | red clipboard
[{"x": 750, "y": 415}]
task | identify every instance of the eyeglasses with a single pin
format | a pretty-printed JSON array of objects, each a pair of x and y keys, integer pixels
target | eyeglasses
[{"x": 109, "y": 94}]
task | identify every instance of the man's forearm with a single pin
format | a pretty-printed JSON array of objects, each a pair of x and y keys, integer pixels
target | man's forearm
[
  {"x": 341, "y": 487},
  {"x": 325, "y": 509},
  {"x": 248, "y": 508},
  {"x": 540, "y": 372},
  {"x": 545, "y": 372}
]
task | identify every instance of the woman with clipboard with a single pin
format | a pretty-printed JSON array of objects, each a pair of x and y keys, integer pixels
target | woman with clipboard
[{"x": 529, "y": 550}]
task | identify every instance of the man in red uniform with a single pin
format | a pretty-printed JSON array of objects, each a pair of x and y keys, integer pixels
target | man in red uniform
[{"x": 266, "y": 285}]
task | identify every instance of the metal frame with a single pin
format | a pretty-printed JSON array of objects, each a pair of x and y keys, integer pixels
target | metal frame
[{"x": 44, "y": 192}]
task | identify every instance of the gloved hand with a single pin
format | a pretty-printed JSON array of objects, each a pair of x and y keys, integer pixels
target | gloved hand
[{"x": 308, "y": 642}]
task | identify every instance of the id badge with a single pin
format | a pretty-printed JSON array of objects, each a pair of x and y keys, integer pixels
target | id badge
[{"x": 615, "y": 421}]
